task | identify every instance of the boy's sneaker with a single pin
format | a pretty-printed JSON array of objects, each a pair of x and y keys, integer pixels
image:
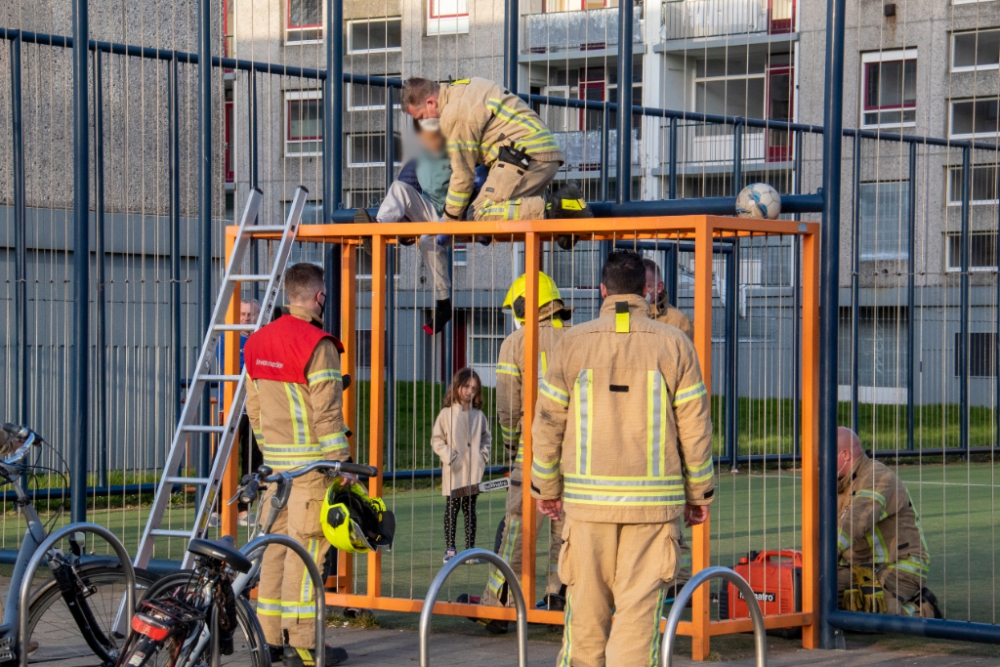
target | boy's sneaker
[
  {"x": 361, "y": 215},
  {"x": 304, "y": 657},
  {"x": 440, "y": 317}
]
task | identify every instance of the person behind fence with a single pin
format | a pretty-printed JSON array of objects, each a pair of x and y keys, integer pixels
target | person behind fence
[
  {"x": 660, "y": 307},
  {"x": 294, "y": 402},
  {"x": 486, "y": 124},
  {"x": 462, "y": 439},
  {"x": 882, "y": 554},
  {"x": 419, "y": 195},
  {"x": 622, "y": 441},
  {"x": 553, "y": 316}
]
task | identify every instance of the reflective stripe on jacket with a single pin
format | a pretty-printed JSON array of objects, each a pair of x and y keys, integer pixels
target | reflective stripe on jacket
[
  {"x": 296, "y": 423},
  {"x": 478, "y": 117},
  {"x": 623, "y": 432},
  {"x": 877, "y": 523}
]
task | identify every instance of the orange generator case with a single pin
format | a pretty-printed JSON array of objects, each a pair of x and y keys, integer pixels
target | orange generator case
[{"x": 776, "y": 579}]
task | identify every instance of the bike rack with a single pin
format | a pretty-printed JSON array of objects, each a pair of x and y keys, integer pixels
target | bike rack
[
  {"x": 670, "y": 632},
  {"x": 318, "y": 584},
  {"x": 435, "y": 590},
  {"x": 42, "y": 552}
]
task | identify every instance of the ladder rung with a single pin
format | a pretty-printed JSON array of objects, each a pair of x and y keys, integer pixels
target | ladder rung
[
  {"x": 250, "y": 277},
  {"x": 235, "y": 327},
  {"x": 264, "y": 229},
  {"x": 163, "y": 532},
  {"x": 194, "y": 428},
  {"x": 202, "y": 481},
  {"x": 220, "y": 378}
]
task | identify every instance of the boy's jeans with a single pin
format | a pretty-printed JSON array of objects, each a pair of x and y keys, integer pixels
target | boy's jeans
[{"x": 402, "y": 202}]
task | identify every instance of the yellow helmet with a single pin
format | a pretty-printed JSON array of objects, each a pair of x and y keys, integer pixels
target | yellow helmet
[
  {"x": 354, "y": 522},
  {"x": 548, "y": 292}
]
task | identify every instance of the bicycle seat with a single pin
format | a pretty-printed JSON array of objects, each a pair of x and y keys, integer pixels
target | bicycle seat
[{"x": 222, "y": 553}]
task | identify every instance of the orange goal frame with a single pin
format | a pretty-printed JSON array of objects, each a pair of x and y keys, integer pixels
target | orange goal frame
[{"x": 703, "y": 231}]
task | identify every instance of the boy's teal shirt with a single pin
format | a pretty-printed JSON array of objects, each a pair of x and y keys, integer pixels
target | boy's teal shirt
[{"x": 434, "y": 175}]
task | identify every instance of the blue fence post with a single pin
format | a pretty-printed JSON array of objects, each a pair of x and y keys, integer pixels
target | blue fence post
[
  {"x": 390, "y": 300},
  {"x": 511, "y": 20},
  {"x": 796, "y": 310},
  {"x": 833, "y": 122},
  {"x": 205, "y": 256},
  {"x": 672, "y": 160},
  {"x": 79, "y": 429},
  {"x": 670, "y": 272},
  {"x": 963, "y": 312},
  {"x": 605, "y": 150},
  {"x": 624, "y": 166},
  {"x": 737, "y": 156},
  {"x": 855, "y": 283},
  {"x": 20, "y": 233},
  {"x": 174, "y": 188},
  {"x": 333, "y": 130},
  {"x": 911, "y": 362},
  {"x": 732, "y": 374},
  {"x": 100, "y": 397}
]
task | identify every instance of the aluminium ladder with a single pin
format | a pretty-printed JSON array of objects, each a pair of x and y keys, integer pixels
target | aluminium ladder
[{"x": 202, "y": 377}]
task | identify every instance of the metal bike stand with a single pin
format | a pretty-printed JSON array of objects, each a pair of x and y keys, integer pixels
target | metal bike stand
[
  {"x": 512, "y": 585},
  {"x": 670, "y": 632},
  {"x": 42, "y": 552},
  {"x": 319, "y": 586}
]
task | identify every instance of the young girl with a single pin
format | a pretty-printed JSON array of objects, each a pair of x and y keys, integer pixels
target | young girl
[{"x": 461, "y": 438}]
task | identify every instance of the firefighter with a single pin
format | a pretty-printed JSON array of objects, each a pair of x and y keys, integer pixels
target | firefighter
[
  {"x": 485, "y": 124},
  {"x": 622, "y": 443},
  {"x": 552, "y": 317},
  {"x": 881, "y": 548},
  {"x": 294, "y": 394},
  {"x": 661, "y": 309}
]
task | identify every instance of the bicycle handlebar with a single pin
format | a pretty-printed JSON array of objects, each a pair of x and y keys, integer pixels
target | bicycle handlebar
[
  {"x": 28, "y": 438},
  {"x": 330, "y": 468}
]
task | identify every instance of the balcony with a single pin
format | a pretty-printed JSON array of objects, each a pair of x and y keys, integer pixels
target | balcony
[
  {"x": 692, "y": 19},
  {"x": 584, "y": 30},
  {"x": 582, "y": 149}
]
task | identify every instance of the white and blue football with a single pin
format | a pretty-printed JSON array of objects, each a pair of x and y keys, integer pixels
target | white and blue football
[{"x": 758, "y": 200}]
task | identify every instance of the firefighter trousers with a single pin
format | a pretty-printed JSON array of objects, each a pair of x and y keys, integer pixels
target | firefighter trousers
[
  {"x": 510, "y": 550},
  {"x": 618, "y": 570},
  {"x": 900, "y": 589},
  {"x": 285, "y": 597},
  {"x": 514, "y": 193}
]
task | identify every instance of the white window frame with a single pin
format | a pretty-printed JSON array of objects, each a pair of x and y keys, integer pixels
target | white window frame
[
  {"x": 949, "y": 267},
  {"x": 321, "y": 26},
  {"x": 708, "y": 78},
  {"x": 957, "y": 201},
  {"x": 382, "y": 19},
  {"x": 463, "y": 248},
  {"x": 350, "y": 150},
  {"x": 969, "y": 135},
  {"x": 968, "y": 2},
  {"x": 290, "y": 96},
  {"x": 884, "y": 57},
  {"x": 971, "y": 68},
  {"x": 368, "y": 107},
  {"x": 449, "y": 24}
]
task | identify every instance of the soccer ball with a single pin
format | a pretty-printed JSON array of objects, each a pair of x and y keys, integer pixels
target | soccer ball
[{"x": 758, "y": 200}]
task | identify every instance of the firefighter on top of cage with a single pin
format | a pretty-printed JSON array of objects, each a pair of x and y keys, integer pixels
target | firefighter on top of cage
[
  {"x": 485, "y": 124},
  {"x": 883, "y": 561},
  {"x": 294, "y": 401},
  {"x": 622, "y": 441}
]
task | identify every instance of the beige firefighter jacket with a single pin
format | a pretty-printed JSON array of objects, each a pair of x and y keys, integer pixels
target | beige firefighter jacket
[
  {"x": 462, "y": 439},
  {"x": 877, "y": 523},
  {"x": 623, "y": 432},
  {"x": 478, "y": 117},
  {"x": 297, "y": 424},
  {"x": 664, "y": 312}
]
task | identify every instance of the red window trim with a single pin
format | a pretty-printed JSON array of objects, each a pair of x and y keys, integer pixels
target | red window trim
[
  {"x": 288, "y": 19},
  {"x": 288, "y": 127},
  {"x": 879, "y": 63},
  {"x": 445, "y": 16}
]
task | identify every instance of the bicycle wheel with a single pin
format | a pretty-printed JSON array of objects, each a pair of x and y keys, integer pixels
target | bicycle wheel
[
  {"x": 52, "y": 626},
  {"x": 248, "y": 638}
]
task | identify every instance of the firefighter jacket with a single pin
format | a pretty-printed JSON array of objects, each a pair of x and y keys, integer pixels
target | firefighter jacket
[
  {"x": 664, "y": 312},
  {"x": 462, "y": 439},
  {"x": 510, "y": 367},
  {"x": 479, "y": 117},
  {"x": 877, "y": 523},
  {"x": 295, "y": 392},
  {"x": 623, "y": 432}
]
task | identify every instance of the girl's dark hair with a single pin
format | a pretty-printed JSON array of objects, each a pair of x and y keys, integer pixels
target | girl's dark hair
[{"x": 461, "y": 377}]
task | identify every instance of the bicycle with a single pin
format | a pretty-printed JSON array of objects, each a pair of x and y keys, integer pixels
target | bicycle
[
  {"x": 175, "y": 623},
  {"x": 91, "y": 588}
]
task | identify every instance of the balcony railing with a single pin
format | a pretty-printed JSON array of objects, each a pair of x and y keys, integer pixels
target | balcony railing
[
  {"x": 588, "y": 30},
  {"x": 685, "y": 19}
]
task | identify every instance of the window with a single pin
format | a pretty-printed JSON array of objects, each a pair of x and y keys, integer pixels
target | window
[
  {"x": 731, "y": 86},
  {"x": 579, "y": 268},
  {"x": 884, "y": 220},
  {"x": 979, "y": 49},
  {"x": 304, "y": 123},
  {"x": 982, "y": 251},
  {"x": 369, "y": 97},
  {"x": 375, "y": 35},
  {"x": 365, "y": 198},
  {"x": 304, "y": 22},
  {"x": 889, "y": 88},
  {"x": 981, "y": 347},
  {"x": 486, "y": 334},
  {"x": 974, "y": 118},
  {"x": 368, "y": 150},
  {"x": 447, "y": 17},
  {"x": 984, "y": 184}
]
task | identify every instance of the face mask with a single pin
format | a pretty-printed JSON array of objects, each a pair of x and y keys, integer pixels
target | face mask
[
  {"x": 517, "y": 324},
  {"x": 649, "y": 297},
  {"x": 430, "y": 124}
]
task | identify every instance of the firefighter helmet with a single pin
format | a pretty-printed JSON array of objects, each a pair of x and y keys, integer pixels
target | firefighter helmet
[
  {"x": 548, "y": 292},
  {"x": 355, "y": 522}
]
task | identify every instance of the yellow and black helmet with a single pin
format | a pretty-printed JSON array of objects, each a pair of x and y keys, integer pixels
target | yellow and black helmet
[
  {"x": 548, "y": 292},
  {"x": 355, "y": 522}
]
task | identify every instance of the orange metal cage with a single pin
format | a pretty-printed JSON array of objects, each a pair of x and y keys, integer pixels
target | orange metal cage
[{"x": 703, "y": 231}]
